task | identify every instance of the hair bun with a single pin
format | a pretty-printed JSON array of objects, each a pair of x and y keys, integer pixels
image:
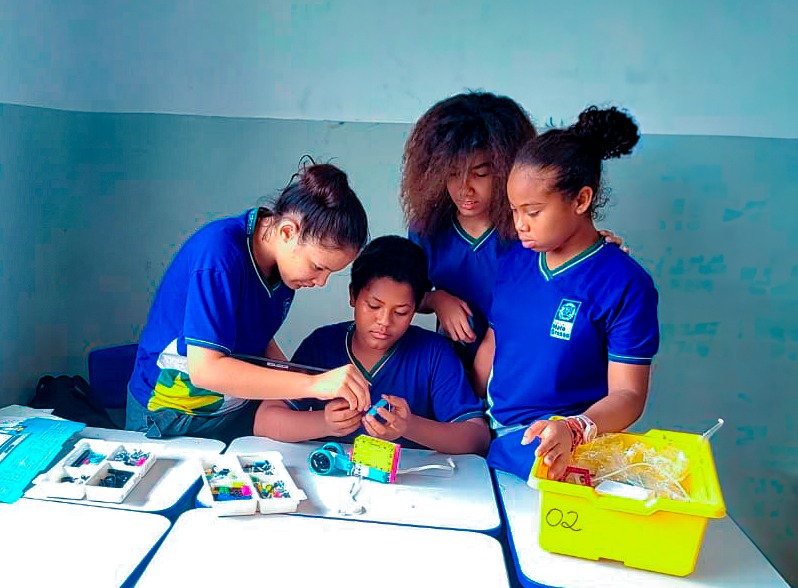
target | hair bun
[
  {"x": 328, "y": 184},
  {"x": 611, "y": 132}
]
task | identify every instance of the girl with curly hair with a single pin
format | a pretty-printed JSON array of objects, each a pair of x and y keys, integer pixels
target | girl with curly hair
[{"x": 455, "y": 167}]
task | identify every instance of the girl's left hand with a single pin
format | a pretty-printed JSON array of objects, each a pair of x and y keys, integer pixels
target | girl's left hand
[
  {"x": 555, "y": 445},
  {"x": 396, "y": 417},
  {"x": 611, "y": 237}
]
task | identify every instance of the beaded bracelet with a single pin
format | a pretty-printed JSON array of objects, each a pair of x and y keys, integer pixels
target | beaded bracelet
[
  {"x": 576, "y": 432},
  {"x": 574, "y": 428}
]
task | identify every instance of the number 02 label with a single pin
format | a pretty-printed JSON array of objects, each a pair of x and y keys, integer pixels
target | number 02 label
[{"x": 567, "y": 520}]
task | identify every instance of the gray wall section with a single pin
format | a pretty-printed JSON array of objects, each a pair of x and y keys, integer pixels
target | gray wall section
[
  {"x": 99, "y": 203},
  {"x": 95, "y": 205}
]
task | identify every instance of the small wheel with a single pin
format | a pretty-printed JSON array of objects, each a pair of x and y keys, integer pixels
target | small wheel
[{"x": 321, "y": 462}]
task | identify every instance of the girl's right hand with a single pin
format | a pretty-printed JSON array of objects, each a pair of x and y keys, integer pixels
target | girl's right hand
[
  {"x": 344, "y": 382},
  {"x": 453, "y": 315},
  {"x": 555, "y": 445}
]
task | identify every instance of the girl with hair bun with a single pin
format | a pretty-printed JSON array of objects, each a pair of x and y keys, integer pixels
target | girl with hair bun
[
  {"x": 574, "y": 319},
  {"x": 225, "y": 294},
  {"x": 454, "y": 195}
]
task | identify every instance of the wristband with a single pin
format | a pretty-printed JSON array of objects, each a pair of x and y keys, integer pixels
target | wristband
[{"x": 589, "y": 428}]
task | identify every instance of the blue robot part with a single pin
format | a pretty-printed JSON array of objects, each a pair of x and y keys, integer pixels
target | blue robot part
[
  {"x": 328, "y": 459},
  {"x": 381, "y": 403}
]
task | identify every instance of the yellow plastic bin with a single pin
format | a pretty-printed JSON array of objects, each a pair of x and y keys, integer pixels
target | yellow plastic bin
[{"x": 658, "y": 534}]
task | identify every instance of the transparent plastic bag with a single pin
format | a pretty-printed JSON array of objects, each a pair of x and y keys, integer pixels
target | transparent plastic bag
[{"x": 661, "y": 471}]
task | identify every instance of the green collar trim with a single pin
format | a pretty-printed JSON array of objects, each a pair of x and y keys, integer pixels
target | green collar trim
[
  {"x": 579, "y": 258},
  {"x": 474, "y": 242},
  {"x": 369, "y": 375}
]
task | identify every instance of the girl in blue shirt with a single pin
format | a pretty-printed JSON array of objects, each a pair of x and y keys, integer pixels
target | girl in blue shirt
[
  {"x": 415, "y": 370},
  {"x": 226, "y": 293},
  {"x": 574, "y": 320},
  {"x": 454, "y": 194}
]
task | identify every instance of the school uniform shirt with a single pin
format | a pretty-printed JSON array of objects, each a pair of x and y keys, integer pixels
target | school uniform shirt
[
  {"x": 465, "y": 267},
  {"x": 556, "y": 330},
  {"x": 420, "y": 367},
  {"x": 211, "y": 296}
]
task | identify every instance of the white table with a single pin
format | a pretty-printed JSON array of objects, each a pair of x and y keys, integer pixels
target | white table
[
  {"x": 55, "y": 544},
  {"x": 727, "y": 558},
  {"x": 284, "y": 550},
  {"x": 463, "y": 500},
  {"x": 161, "y": 490}
]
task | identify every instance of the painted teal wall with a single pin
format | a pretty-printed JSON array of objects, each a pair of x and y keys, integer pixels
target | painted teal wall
[
  {"x": 95, "y": 205},
  {"x": 687, "y": 67}
]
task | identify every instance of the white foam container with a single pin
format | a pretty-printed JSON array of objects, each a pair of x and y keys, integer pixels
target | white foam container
[
  {"x": 246, "y": 506},
  {"x": 277, "y": 474},
  {"x": 86, "y": 477},
  {"x": 98, "y": 493}
]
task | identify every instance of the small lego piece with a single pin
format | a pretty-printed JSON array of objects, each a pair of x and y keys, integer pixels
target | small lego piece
[
  {"x": 381, "y": 403},
  {"x": 225, "y": 485},
  {"x": 116, "y": 478},
  {"x": 81, "y": 459},
  {"x": 575, "y": 475},
  {"x": 259, "y": 467}
]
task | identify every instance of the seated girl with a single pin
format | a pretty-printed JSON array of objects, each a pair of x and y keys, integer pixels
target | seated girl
[{"x": 430, "y": 402}]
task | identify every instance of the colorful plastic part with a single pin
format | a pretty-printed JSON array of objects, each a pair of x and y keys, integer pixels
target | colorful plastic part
[{"x": 371, "y": 458}]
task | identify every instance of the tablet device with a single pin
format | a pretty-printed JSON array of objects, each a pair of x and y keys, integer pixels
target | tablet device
[{"x": 277, "y": 364}]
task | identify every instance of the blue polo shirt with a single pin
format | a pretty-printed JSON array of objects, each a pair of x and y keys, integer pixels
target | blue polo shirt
[
  {"x": 465, "y": 267},
  {"x": 420, "y": 367},
  {"x": 556, "y": 330},
  {"x": 212, "y": 295}
]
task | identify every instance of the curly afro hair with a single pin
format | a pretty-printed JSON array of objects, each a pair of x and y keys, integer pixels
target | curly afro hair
[{"x": 441, "y": 143}]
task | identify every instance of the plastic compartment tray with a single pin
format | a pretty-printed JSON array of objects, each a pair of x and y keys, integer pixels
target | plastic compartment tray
[
  {"x": 86, "y": 471},
  {"x": 276, "y": 490}
]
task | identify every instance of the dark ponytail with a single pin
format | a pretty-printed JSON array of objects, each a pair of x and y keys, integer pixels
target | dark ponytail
[
  {"x": 575, "y": 154},
  {"x": 330, "y": 212}
]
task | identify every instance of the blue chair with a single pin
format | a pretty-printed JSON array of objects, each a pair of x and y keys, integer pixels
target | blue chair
[{"x": 109, "y": 373}]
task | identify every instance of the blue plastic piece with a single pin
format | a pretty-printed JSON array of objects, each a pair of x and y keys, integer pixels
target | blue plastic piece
[{"x": 381, "y": 403}]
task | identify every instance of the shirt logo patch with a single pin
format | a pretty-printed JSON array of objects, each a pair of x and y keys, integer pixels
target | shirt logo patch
[{"x": 564, "y": 319}]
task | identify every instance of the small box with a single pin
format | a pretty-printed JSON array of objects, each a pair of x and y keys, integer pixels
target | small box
[
  {"x": 376, "y": 454},
  {"x": 140, "y": 456},
  {"x": 226, "y": 488},
  {"x": 658, "y": 534},
  {"x": 112, "y": 483},
  {"x": 276, "y": 490},
  {"x": 81, "y": 474},
  {"x": 62, "y": 482},
  {"x": 68, "y": 477}
]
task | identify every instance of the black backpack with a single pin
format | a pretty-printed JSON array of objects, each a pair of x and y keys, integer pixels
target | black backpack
[{"x": 70, "y": 398}]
